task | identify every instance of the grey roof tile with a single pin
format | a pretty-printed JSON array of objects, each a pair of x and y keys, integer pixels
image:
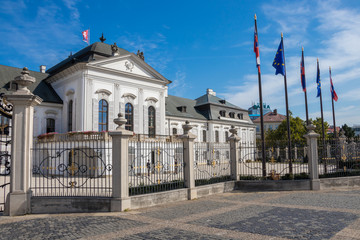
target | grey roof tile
[{"x": 40, "y": 87}]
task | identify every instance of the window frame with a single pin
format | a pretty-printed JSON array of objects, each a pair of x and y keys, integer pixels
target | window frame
[{"x": 103, "y": 125}]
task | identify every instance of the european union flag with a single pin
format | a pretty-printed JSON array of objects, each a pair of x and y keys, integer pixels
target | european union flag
[
  {"x": 318, "y": 81},
  {"x": 279, "y": 61}
]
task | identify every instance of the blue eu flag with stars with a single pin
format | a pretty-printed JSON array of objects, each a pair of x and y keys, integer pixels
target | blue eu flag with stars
[{"x": 279, "y": 61}]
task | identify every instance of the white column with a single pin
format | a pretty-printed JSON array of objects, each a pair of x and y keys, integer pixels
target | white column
[
  {"x": 18, "y": 199},
  {"x": 312, "y": 154},
  {"x": 120, "y": 176}
]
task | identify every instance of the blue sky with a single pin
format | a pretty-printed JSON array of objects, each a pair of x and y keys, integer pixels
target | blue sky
[{"x": 204, "y": 44}]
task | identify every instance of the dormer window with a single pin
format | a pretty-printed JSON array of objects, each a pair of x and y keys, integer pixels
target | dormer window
[
  {"x": 240, "y": 116},
  {"x": 182, "y": 109},
  {"x": 232, "y": 115},
  {"x": 222, "y": 101},
  {"x": 222, "y": 113}
]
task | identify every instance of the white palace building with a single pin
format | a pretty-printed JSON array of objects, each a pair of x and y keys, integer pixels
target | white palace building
[{"x": 86, "y": 91}]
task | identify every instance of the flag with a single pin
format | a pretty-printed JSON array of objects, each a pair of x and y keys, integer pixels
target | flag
[
  {"x": 279, "y": 63},
  {"x": 302, "y": 72},
  {"x": 256, "y": 48},
  {"x": 332, "y": 90},
  {"x": 86, "y": 36},
  {"x": 318, "y": 81}
]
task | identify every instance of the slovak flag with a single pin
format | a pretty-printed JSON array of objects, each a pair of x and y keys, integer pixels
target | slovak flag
[
  {"x": 256, "y": 48},
  {"x": 332, "y": 90},
  {"x": 86, "y": 36}
]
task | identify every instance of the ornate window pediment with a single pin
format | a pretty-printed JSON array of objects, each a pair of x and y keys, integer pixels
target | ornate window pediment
[
  {"x": 103, "y": 91},
  {"x": 70, "y": 92},
  {"x": 153, "y": 99},
  {"x": 129, "y": 95}
]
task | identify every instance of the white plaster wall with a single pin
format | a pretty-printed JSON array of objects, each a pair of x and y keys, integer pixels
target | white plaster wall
[{"x": 41, "y": 113}]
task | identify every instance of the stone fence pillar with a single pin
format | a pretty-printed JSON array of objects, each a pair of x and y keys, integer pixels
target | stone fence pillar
[
  {"x": 312, "y": 154},
  {"x": 189, "y": 173},
  {"x": 18, "y": 199},
  {"x": 120, "y": 162},
  {"x": 234, "y": 154}
]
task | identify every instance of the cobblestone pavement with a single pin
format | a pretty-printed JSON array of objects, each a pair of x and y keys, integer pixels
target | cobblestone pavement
[{"x": 331, "y": 214}]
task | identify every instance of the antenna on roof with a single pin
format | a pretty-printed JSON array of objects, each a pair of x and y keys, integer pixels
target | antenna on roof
[{"x": 70, "y": 55}]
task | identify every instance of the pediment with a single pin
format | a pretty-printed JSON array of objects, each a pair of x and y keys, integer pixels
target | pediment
[{"x": 130, "y": 64}]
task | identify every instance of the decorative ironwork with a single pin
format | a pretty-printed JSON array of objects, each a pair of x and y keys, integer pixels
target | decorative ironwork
[
  {"x": 155, "y": 166},
  {"x": 5, "y": 107},
  {"x": 212, "y": 163},
  {"x": 277, "y": 161},
  {"x": 76, "y": 167},
  {"x": 5, "y": 161}
]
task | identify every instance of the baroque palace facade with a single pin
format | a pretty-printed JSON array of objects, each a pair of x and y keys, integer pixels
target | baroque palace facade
[{"x": 86, "y": 91}]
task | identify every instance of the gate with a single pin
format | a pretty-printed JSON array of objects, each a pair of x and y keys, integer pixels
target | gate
[{"x": 5, "y": 149}]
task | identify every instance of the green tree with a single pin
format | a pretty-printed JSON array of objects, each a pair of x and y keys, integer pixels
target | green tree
[
  {"x": 318, "y": 127},
  {"x": 349, "y": 132},
  {"x": 297, "y": 129}
]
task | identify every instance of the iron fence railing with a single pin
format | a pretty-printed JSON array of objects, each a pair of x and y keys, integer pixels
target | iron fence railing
[
  {"x": 155, "y": 164},
  {"x": 5, "y": 165},
  {"x": 211, "y": 163},
  {"x": 73, "y": 164},
  {"x": 338, "y": 158},
  {"x": 277, "y": 162}
]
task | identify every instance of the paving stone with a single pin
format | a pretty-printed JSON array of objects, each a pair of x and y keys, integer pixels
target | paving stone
[
  {"x": 169, "y": 233},
  {"x": 327, "y": 200},
  {"x": 245, "y": 197},
  {"x": 186, "y": 209},
  {"x": 64, "y": 227},
  {"x": 282, "y": 222}
]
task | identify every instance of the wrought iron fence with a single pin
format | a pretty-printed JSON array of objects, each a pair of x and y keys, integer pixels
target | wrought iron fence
[
  {"x": 277, "y": 162},
  {"x": 72, "y": 164},
  {"x": 211, "y": 163},
  {"x": 338, "y": 158},
  {"x": 5, "y": 165},
  {"x": 155, "y": 164}
]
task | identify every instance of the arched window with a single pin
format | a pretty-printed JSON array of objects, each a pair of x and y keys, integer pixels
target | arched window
[
  {"x": 226, "y": 136},
  {"x": 151, "y": 121},
  {"x": 70, "y": 115},
  {"x": 50, "y": 125},
  {"x": 232, "y": 114},
  {"x": 103, "y": 115},
  {"x": 216, "y": 136},
  {"x": 240, "y": 116},
  {"x": 222, "y": 113},
  {"x": 129, "y": 116},
  {"x": 204, "y": 135},
  {"x": 174, "y": 131}
]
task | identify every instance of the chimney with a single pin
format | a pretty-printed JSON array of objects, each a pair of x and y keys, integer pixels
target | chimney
[
  {"x": 210, "y": 92},
  {"x": 42, "y": 68},
  {"x": 275, "y": 111}
]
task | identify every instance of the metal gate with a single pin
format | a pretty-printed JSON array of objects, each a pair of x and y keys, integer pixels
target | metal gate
[{"x": 5, "y": 149}]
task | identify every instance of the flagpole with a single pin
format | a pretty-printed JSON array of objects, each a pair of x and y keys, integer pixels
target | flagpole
[
  {"x": 333, "y": 109},
  {"x": 322, "y": 121},
  {"x": 261, "y": 118},
  {"x": 305, "y": 93},
  {"x": 287, "y": 109}
]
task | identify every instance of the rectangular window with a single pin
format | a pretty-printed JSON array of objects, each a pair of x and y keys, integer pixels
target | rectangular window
[{"x": 50, "y": 125}]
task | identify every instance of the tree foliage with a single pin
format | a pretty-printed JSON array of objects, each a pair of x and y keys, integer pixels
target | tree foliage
[
  {"x": 349, "y": 132},
  {"x": 297, "y": 129},
  {"x": 318, "y": 127}
]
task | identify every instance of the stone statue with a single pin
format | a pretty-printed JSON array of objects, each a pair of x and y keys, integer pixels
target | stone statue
[{"x": 114, "y": 49}]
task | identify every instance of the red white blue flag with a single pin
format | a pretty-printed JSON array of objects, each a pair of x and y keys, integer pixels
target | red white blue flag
[
  {"x": 86, "y": 36},
  {"x": 256, "y": 48},
  {"x": 332, "y": 90},
  {"x": 302, "y": 72}
]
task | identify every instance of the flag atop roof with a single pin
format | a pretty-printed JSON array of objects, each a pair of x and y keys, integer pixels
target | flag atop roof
[
  {"x": 86, "y": 36},
  {"x": 256, "y": 47}
]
